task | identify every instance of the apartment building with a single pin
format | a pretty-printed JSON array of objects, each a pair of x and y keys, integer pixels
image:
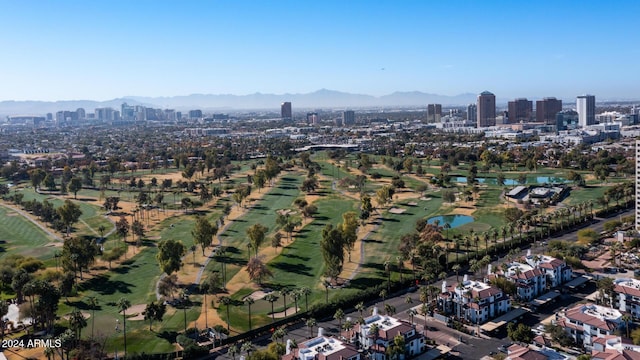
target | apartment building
[
  {"x": 587, "y": 322},
  {"x": 378, "y": 331},
  {"x": 473, "y": 301}
]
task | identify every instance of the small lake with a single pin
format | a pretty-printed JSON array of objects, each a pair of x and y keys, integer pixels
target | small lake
[
  {"x": 514, "y": 182},
  {"x": 452, "y": 220}
]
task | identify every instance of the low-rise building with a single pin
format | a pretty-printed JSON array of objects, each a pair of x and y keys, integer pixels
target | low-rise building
[
  {"x": 556, "y": 271},
  {"x": 586, "y": 322},
  {"x": 627, "y": 296},
  {"x": 321, "y": 348},
  {"x": 530, "y": 281},
  {"x": 474, "y": 301},
  {"x": 377, "y": 332}
]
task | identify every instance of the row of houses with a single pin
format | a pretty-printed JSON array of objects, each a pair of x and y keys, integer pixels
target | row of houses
[
  {"x": 372, "y": 337},
  {"x": 478, "y": 302}
]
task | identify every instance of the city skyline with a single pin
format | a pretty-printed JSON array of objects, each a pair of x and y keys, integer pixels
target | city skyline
[{"x": 72, "y": 50}]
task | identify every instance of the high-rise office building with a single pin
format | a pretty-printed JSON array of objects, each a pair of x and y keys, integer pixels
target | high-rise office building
[
  {"x": 486, "y": 109},
  {"x": 520, "y": 111},
  {"x": 348, "y": 117},
  {"x": 193, "y": 114},
  {"x": 434, "y": 113},
  {"x": 285, "y": 111},
  {"x": 81, "y": 113},
  {"x": 586, "y": 108},
  {"x": 547, "y": 109},
  {"x": 312, "y": 118},
  {"x": 472, "y": 114},
  {"x": 637, "y": 184}
]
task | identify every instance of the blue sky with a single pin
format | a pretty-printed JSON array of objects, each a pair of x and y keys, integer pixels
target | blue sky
[{"x": 99, "y": 50}]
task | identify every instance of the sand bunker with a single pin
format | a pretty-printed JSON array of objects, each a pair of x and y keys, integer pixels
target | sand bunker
[
  {"x": 285, "y": 212},
  {"x": 12, "y": 214},
  {"x": 395, "y": 210},
  {"x": 424, "y": 198},
  {"x": 135, "y": 312},
  {"x": 258, "y": 295},
  {"x": 412, "y": 203},
  {"x": 290, "y": 311}
]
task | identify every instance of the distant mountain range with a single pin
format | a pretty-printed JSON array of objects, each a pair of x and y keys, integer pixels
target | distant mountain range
[{"x": 321, "y": 99}]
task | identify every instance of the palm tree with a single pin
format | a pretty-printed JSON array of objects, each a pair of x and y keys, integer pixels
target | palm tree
[
  {"x": 272, "y": 299},
  {"x": 626, "y": 318},
  {"x": 311, "y": 322},
  {"x": 226, "y": 301},
  {"x": 456, "y": 268},
  {"x": 284, "y": 292},
  {"x": 400, "y": 266},
  {"x": 123, "y": 305},
  {"x": 295, "y": 294},
  {"x": 387, "y": 269},
  {"x": 411, "y": 313},
  {"x": 93, "y": 303},
  {"x": 339, "y": 315},
  {"x": 233, "y": 350},
  {"x": 279, "y": 333},
  {"x": 383, "y": 294},
  {"x": 246, "y": 347},
  {"x": 347, "y": 326},
  {"x": 249, "y": 301},
  {"x": 360, "y": 308},
  {"x": 305, "y": 291}
]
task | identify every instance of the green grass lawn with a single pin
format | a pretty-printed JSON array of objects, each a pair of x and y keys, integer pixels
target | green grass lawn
[
  {"x": 263, "y": 211},
  {"x": 20, "y": 236}
]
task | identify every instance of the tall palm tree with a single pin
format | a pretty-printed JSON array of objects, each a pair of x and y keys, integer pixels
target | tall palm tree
[
  {"x": 226, "y": 301},
  {"x": 306, "y": 292},
  {"x": 284, "y": 292},
  {"x": 339, "y": 315},
  {"x": 272, "y": 299},
  {"x": 360, "y": 308},
  {"x": 311, "y": 322},
  {"x": 411, "y": 313},
  {"x": 249, "y": 301},
  {"x": 123, "y": 305},
  {"x": 93, "y": 304},
  {"x": 626, "y": 318},
  {"x": 456, "y": 268},
  {"x": 400, "y": 266},
  {"x": 387, "y": 269},
  {"x": 296, "y": 295}
]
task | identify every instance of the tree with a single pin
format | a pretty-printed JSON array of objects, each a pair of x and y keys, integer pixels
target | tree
[
  {"x": 332, "y": 247},
  {"x": 271, "y": 298},
  {"x": 309, "y": 184},
  {"x": 4, "y": 309},
  {"x": 627, "y": 319},
  {"x": 249, "y": 301},
  {"x": 306, "y": 292},
  {"x": 311, "y": 323},
  {"x": 339, "y": 315},
  {"x": 138, "y": 229},
  {"x": 520, "y": 333},
  {"x": 122, "y": 227},
  {"x": 512, "y": 214},
  {"x": 385, "y": 194},
  {"x": 203, "y": 232},
  {"x": 75, "y": 185},
  {"x": 258, "y": 270},
  {"x": 209, "y": 285},
  {"x": 606, "y": 287},
  {"x": 69, "y": 214},
  {"x": 123, "y": 304},
  {"x": 169, "y": 255},
  {"x": 276, "y": 240},
  {"x": 77, "y": 322},
  {"x": 587, "y": 236},
  {"x": 396, "y": 350},
  {"x": 226, "y": 301},
  {"x": 349, "y": 229},
  {"x": 256, "y": 235},
  {"x": 78, "y": 254},
  {"x": 154, "y": 312},
  {"x": 93, "y": 303}
]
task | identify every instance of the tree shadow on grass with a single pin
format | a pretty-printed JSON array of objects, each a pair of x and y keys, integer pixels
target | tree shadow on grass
[
  {"x": 294, "y": 268},
  {"x": 294, "y": 256},
  {"x": 364, "y": 283},
  {"x": 389, "y": 220},
  {"x": 169, "y": 336},
  {"x": 104, "y": 286}
]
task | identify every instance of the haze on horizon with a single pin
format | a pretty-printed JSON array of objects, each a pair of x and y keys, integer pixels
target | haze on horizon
[{"x": 100, "y": 50}]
